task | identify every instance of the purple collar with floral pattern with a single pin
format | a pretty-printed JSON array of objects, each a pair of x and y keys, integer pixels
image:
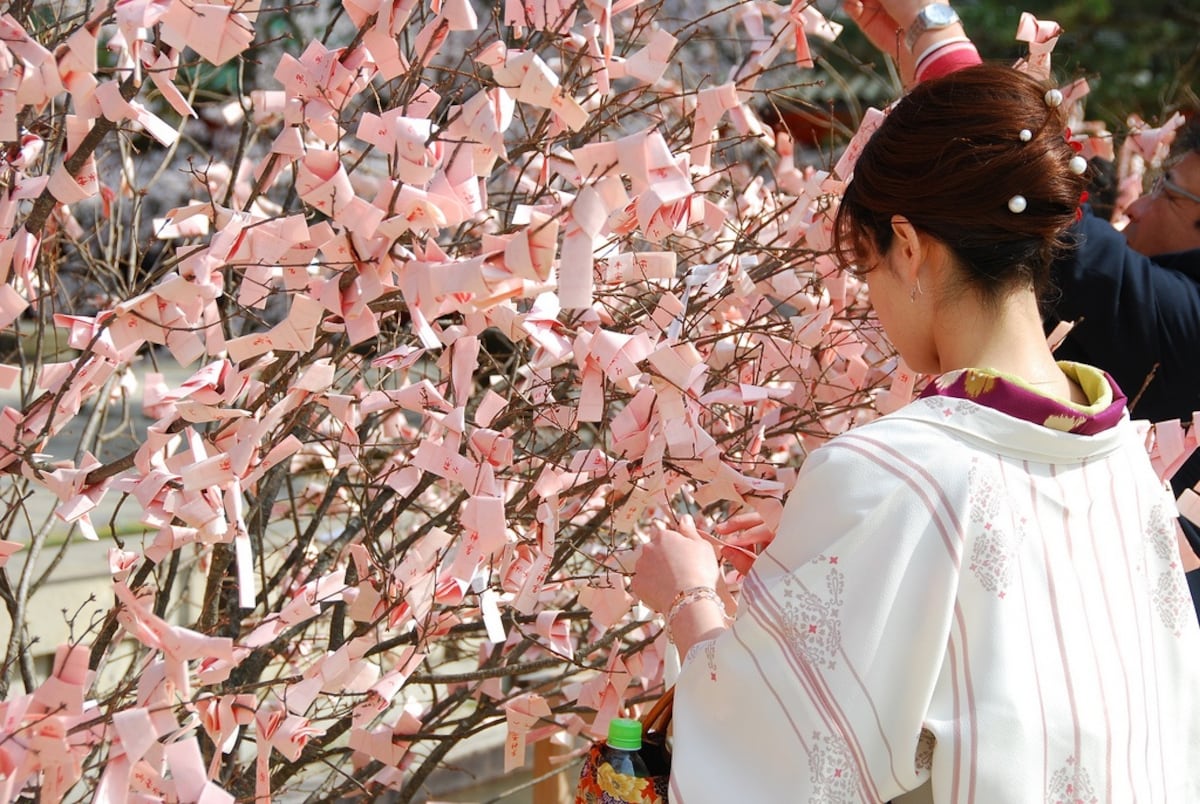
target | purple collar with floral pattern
[{"x": 1019, "y": 399}]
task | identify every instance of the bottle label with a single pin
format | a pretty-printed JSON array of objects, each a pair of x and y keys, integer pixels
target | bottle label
[{"x": 601, "y": 783}]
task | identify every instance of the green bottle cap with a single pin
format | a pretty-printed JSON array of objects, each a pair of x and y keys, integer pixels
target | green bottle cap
[{"x": 625, "y": 733}]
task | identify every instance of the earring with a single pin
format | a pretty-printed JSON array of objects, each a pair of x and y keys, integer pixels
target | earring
[{"x": 916, "y": 291}]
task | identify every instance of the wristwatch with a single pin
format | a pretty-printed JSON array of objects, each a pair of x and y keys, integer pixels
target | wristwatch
[{"x": 932, "y": 17}]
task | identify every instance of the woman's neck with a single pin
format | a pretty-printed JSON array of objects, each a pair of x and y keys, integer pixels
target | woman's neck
[{"x": 1008, "y": 338}]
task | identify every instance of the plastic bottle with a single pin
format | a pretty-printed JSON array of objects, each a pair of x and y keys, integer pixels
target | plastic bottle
[{"x": 626, "y": 765}]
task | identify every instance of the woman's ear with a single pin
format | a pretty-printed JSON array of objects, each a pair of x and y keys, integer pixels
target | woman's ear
[{"x": 908, "y": 249}]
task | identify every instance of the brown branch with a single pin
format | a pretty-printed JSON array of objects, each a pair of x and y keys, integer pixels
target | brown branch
[{"x": 45, "y": 202}]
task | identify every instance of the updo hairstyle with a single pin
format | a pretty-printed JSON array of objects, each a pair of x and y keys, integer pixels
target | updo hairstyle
[{"x": 949, "y": 158}]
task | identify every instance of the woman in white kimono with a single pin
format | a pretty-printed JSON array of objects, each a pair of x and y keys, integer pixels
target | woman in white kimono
[{"x": 981, "y": 591}]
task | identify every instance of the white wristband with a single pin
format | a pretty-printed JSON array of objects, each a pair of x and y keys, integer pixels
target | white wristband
[{"x": 936, "y": 46}]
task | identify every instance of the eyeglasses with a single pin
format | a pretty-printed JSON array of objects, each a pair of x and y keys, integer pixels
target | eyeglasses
[{"x": 1163, "y": 183}]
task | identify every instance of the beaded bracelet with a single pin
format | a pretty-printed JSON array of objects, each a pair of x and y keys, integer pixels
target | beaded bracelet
[{"x": 688, "y": 597}]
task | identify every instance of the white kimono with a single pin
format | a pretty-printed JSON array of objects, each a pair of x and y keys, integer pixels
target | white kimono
[{"x": 959, "y": 597}]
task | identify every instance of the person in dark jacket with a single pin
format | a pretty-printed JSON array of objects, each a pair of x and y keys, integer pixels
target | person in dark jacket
[{"x": 1135, "y": 294}]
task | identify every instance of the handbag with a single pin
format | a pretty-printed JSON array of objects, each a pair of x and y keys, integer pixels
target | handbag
[{"x": 597, "y": 784}]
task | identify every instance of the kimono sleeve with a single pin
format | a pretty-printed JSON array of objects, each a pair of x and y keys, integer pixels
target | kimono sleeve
[{"x": 819, "y": 689}]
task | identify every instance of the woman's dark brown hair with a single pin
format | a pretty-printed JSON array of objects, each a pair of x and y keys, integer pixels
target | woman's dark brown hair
[{"x": 949, "y": 157}]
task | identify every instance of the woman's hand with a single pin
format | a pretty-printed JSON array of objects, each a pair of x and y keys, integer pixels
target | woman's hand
[
  {"x": 878, "y": 24},
  {"x": 747, "y": 529},
  {"x": 674, "y": 560}
]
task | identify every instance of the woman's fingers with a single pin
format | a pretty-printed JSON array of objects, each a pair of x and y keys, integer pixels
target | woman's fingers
[
  {"x": 875, "y": 22},
  {"x": 746, "y": 520},
  {"x": 745, "y": 529}
]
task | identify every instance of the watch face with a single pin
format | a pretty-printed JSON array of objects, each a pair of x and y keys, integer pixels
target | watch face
[
  {"x": 939, "y": 15},
  {"x": 930, "y": 18}
]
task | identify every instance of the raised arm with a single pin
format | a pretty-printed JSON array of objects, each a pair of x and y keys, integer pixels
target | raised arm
[{"x": 923, "y": 48}]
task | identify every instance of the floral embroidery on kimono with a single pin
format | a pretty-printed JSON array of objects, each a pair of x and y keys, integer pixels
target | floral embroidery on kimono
[
  {"x": 991, "y": 558},
  {"x": 831, "y": 768},
  {"x": 811, "y": 620},
  {"x": 1070, "y": 785}
]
